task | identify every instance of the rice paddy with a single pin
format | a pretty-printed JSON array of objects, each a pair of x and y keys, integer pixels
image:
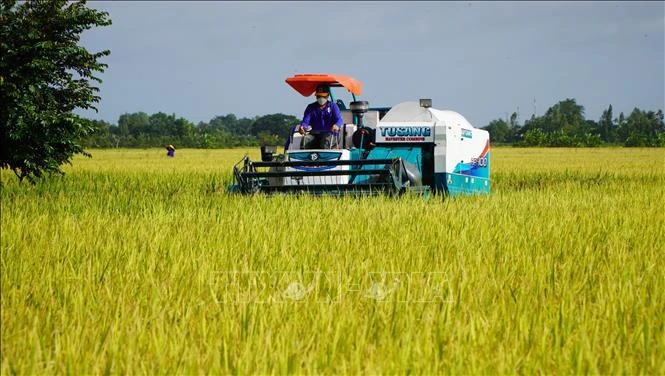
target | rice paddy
[{"x": 134, "y": 262}]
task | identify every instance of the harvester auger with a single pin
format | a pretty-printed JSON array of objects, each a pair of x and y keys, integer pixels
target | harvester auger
[{"x": 408, "y": 148}]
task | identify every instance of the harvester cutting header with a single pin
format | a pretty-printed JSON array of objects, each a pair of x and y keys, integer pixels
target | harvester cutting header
[{"x": 410, "y": 147}]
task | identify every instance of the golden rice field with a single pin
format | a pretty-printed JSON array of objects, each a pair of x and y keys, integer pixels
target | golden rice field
[{"x": 137, "y": 263}]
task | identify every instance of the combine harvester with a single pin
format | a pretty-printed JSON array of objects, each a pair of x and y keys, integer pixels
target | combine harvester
[{"x": 409, "y": 148}]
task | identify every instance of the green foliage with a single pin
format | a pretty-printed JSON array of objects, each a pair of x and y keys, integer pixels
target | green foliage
[
  {"x": 499, "y": 131},
  {"x": 563, "y": 125},
  {"x": 566, "y": 115},
  {"x": 644, "y": 128},
  {"x": 606, "y": 126},
  {"x": 538, "y": 137},
  {"x": 133, "y": 124},
  {"x": 661, "y": 139},
  {"x": 142, "y": 130},
  {"x": 231, "y": 125},
  {"x": 45, "y": 75},
  {"x": 535, "y": 137},
  {"x": 279, "y": 125}
]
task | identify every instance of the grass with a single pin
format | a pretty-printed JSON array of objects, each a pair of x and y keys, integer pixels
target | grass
[{"x": 136, "y": 263}]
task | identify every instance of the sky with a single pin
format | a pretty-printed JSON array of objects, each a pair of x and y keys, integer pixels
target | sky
[{"x": 484, "y": 60}]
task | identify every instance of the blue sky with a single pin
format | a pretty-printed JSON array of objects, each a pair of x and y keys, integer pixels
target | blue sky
[{"x": 482, "y": 59}]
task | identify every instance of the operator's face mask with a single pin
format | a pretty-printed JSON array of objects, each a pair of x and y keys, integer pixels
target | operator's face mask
[{"x": 321, "y": 100}]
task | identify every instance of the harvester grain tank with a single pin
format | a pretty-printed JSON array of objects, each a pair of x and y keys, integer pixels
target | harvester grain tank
[{"x": 410, "y": 147}]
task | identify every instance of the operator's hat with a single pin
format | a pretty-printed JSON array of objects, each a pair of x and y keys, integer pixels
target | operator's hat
[{"x": 322, "y": 90}]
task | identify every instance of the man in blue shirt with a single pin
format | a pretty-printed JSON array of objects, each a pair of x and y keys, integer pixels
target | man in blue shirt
[{"x": 323, "y": 121}]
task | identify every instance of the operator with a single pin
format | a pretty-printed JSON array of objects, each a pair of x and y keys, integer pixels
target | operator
[{"x": 323, "y": 121}]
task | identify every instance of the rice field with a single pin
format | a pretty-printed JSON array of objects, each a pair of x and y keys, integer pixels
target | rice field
[{"x": 138, "y": 263}]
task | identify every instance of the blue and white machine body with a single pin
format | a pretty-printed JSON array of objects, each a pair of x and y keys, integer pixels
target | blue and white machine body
[
  {"x": 409, "y": 147},
  {"x": 461, "y": 152}
]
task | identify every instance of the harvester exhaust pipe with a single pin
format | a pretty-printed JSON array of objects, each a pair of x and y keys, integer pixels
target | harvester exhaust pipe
[{"x": 358, "y": 109}]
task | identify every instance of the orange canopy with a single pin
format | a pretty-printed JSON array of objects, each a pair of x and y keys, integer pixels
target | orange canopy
[{"x": 306, "y": 84}]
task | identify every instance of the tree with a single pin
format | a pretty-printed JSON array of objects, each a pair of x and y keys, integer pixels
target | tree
[
  {"x": 644, "y": 128},
  {"x": 100, "y": 136},
  {"x": 499, "y": 131},
  {"x": 162, "y": 124},
  {"x": 513, "y": 120},
  {"x": 44, "y": 76},
  {"x": 566, "y": 115},
  {"x": 184, "y": 128},
  {"x": 275, "y": 124},
  {"x": 133, "y": 124},
  {"x": 228, "y": 123},
  {"x": 606, "y": 125},
  {"x": 622, "y": 129}
]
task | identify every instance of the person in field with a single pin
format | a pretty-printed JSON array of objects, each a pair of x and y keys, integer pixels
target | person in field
[
  {"x": 170, "y": 151},
  {"x": 322, "y": 121}
]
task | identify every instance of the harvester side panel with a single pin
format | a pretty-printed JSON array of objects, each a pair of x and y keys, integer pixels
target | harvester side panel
[{"x": 462, "y": 155}]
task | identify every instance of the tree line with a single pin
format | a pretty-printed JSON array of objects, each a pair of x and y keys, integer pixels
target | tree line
[
  {"x": 142, "y": 130},
  {"x": 564, "y": 124}
]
